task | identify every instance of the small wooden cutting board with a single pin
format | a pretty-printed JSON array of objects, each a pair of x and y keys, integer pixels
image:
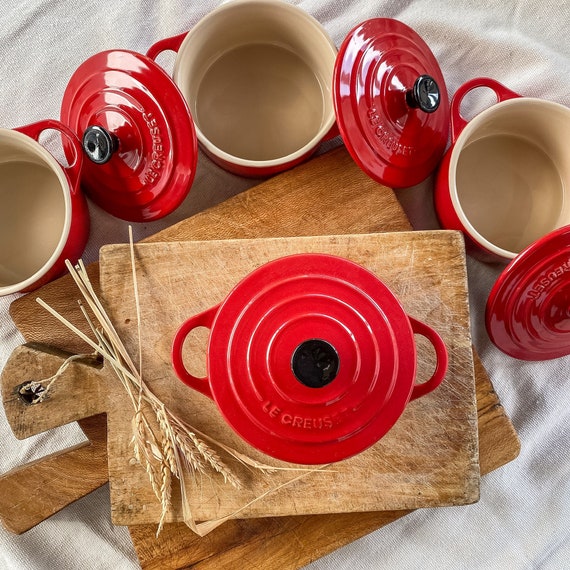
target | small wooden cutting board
[{"x": 430, "y": 458}]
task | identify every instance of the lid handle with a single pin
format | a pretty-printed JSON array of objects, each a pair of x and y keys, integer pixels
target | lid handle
[
  {"x": 424, "y": 95},
  {"x": 204, "y": 319},
  {"x": 99, "y": 144}
]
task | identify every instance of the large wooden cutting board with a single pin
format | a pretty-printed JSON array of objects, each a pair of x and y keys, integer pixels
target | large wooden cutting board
[
  {"x": 348, "y": 202},
  {"x": 429, "y": 458}
]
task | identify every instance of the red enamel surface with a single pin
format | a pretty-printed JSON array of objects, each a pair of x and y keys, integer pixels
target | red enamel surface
[
  {"x": 131, "y": 97},
  {"x": 528, "y": 310},
  {"x": 80, "y": 222},
  {"x": 378, "y": 63}
]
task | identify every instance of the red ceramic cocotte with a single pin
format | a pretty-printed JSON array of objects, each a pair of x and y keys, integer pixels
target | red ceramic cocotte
[
  {"x": 265, "y": 85},
  {"x": 505, "y": 184},
  {"x": 311, "y": 358},
  {"x": 131, "y": 145},
  {"x": 43, "y": 214}
]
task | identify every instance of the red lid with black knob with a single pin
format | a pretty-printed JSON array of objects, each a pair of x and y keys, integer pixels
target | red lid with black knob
[
  {"x": 137, "y": 133},
  {"x": 311, "y": 358},
  {"x": 391, "y": 102}
]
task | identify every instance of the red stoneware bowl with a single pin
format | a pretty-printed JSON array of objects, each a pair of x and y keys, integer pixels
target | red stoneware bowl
[{"x": 43, "y": 214}]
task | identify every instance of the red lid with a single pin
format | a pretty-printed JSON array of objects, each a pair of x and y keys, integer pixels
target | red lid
[
  {"x": 311, "y": 358},
  {"x": 528, "y": 310},
  {"x": 137, "y": 133},
  {"x": 391, "y": 102}
]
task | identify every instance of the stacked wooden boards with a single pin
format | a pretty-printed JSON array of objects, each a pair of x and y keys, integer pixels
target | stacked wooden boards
[{"x": 327, "y": 195}]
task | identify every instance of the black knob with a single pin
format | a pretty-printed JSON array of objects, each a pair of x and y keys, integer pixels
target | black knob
[
  {"x": 424, "y": 94},
  {"x": 98, "y": 144},
  {"x": 315, "y": 363}
]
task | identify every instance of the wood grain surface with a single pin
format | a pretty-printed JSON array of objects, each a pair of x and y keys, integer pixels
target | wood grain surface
[
  {"x": 329, "y": 194},
  {"x": 34, "y": 492}
]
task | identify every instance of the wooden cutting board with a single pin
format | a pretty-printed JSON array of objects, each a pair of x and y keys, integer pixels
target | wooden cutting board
[
  {"x": 328, "y": 194},
  {"x": 429, "y": 458}
]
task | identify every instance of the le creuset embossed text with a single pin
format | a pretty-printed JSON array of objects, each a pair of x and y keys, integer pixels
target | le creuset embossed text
[{"x": 311, "y": 358}]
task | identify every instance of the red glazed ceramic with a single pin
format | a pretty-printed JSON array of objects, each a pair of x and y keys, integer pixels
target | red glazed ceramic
[
  {"x": 137, "y": 133},
  {"x": 505, "y": 183},
  {"x": 505, "y": 180},
  {"x": 43, "y": 214},
  {"x": 311, "y": 358},
  {"x": 265, "y": 85},
  {"x": 140, "y": 150},
  {"x": 528, "y": 310},
  {"x": 391, "y": 102},
  {"x": 257, "y": 76}
]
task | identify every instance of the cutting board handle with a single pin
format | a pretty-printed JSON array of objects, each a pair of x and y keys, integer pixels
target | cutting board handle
[
  {"x": 31, "y": 493},
  {"x": 80, "y": 390},
  {"x": 204, "y": 319},
  {"x": 442, "y": 359}
]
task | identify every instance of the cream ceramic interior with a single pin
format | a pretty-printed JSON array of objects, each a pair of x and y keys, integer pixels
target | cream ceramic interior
[
  {"x": 34, "y": 211},
  {"x": 257, "y": 76},
  {"x": 510, "y": 174}
]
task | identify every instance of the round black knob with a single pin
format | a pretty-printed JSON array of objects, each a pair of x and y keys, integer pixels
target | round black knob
[
  {"x": 315, "y": 363},
  {"x": 98, "y": 144},
  {"x": 424, "y": 95}
]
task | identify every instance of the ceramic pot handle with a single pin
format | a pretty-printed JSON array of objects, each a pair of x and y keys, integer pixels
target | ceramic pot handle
[
  {"x": 72, "y": 147},
  {"x": 168, "y": 44},
  {"x": 441, "y": 359},
  {"x": 204, "y": 319},
  {"x": 458, "y": 123}
]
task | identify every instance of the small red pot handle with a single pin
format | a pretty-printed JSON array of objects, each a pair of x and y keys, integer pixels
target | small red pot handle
[
  {"x": 204, "y": 319},
  {"x": 458, "y": 123},
  {"x": 168, "y": 44},
  {"x": 441, "y": 355},
  {"x": 34, "y": 130}
]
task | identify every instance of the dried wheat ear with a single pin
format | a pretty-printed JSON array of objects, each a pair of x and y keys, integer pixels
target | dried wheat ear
[{"x": 166, "y": 446}]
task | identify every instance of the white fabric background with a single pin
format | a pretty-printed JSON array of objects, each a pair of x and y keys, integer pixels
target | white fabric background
[{"x": 522, "y": 520}]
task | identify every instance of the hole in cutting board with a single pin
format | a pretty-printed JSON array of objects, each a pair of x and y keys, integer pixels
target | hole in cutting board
[
  {"x": 194, "y": 351},
  {"x": 30, "y": 392}
]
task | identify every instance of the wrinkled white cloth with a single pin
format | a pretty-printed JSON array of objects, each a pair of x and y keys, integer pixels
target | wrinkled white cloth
[{"x": 522, "y": 520}]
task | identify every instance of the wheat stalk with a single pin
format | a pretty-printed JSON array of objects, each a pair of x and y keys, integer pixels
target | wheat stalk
[{"x": 163, "y": 444}]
